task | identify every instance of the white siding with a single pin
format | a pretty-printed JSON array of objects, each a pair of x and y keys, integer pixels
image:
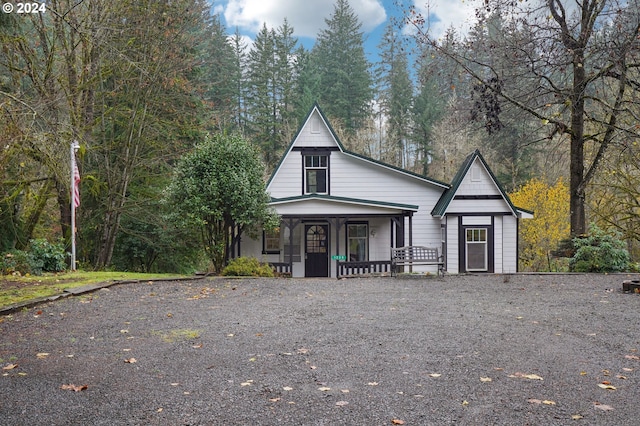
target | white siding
[
  {"x": 498, "y": 245},
  {"x": 310, "y": 138},
  {"x": 510, "y": 241},
  {"x": 484, "y": 185},
  {"x": 479, "y": 206},
  {"x": 356, "y": 178},
  {"x": 288, "y": 180},
  {"x": 453, "y": 251},
  {"x": 476, "y": 220}
]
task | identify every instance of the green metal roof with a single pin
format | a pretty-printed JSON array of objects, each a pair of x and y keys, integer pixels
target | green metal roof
[{"x": 346, "y": 200}]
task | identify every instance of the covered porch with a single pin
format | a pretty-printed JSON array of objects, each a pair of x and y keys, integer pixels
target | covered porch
[{"x": 326, "y": 236}]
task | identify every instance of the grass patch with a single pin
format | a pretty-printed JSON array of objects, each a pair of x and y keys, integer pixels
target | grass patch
[
  {"x": 15, "y": 289},
  {"x": 171, "y": 336}
]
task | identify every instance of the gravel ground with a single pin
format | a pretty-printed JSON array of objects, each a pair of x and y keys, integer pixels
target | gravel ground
[{"x": 469, "y": 350}]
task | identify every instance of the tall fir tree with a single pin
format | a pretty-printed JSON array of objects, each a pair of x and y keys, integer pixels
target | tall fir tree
[
  {"x": 270, "y": 81},
  {"x": 345, "y": 80},
  {"x": 395, "y": 92}
]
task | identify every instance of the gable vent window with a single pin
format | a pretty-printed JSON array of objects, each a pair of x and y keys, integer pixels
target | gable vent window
[{"x": 316, "y": 173}]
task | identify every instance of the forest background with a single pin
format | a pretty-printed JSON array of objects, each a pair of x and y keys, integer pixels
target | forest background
[{"x": 138, "y": 84}]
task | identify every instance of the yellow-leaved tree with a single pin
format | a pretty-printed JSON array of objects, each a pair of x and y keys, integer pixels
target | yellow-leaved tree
[{"x": 541, "y": 235}]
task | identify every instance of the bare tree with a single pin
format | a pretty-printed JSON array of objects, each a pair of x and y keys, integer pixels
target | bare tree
[{"x": 570, "y": 65}]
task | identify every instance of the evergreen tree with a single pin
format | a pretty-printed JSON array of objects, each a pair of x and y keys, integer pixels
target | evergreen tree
[
  {"x": 222, "y": 73},
  {"x": 307, "y": 88},
  {"x": 395, "y": 97},
  {"x": 270, "y": 81},
  {"x": 239, "y": 98},
  {"x": 345, "y": 80}
]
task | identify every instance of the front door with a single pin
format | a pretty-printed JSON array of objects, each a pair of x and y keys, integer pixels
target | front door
[{"x": 316, "y": 251}]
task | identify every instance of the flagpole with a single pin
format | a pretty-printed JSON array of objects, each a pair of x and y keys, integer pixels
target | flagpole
[{"x": 72, "y": 198}]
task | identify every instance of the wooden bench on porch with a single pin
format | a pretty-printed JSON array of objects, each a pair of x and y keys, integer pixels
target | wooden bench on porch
[
  {"x": 281, "y": 269},
  {"x": 415, "y": 255}
]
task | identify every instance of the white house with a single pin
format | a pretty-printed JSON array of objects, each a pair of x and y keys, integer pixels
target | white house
[{"x": 342, "y": 212}]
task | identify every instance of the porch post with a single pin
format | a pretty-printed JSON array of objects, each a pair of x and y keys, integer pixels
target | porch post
[
  {"x": 291, "y": 246},
  {"x": 338, "y": 224},
  {"x": 410, "y": 237}
]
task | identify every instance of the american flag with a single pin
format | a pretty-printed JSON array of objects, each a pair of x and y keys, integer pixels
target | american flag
[{"x": 75, "y": 191}]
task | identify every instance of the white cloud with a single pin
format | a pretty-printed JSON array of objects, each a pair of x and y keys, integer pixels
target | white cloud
[
  {"x": 306, "y": 17},
  {"x": 457, "y": 14}
]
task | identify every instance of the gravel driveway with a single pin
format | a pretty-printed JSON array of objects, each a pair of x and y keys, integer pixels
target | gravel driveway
[{"x": 469, "y": 350}]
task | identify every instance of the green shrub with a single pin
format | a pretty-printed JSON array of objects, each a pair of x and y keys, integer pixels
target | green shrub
[
  {"x": 599, "y": 252},
  {"x": 47, "y": 257},
  {"x": 247, "y": 267},
  {"x": 16, "y": 261}
]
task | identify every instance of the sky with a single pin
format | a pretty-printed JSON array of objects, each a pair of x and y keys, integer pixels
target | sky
[{"x": 307, "y": 17}]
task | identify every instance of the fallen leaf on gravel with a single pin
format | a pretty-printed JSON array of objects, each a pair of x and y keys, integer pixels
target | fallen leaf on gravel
[
  {"x": 548, "y": 402},
  {"x": 632, "y": 357},
  {"x": 159, "y": 410},
  {"x": 605, "y": 386},
  {"x": 74, "y": 387},
  {"x": 435, "y": 375},
  {"x": 287, "y": 388},
  {"x": 602, "y": 407},
  {"x": 525, "y": 376},
  {"x": 344, "y": 390},
  {"x": 22, "y": 373},
  {"x": 10, "y": 366},
  {"x": 197, "y": 346},
  {"x": 465, "y": 402},
  {"x": 397, "y": 422},
  {"x": 485, "y": 379},
  {"x": 130, "y": 360},
  {"x": 534, "y": 401},
  {"x": 627, "y": 369},
  {"x": 583, "y": 373},
  {"x": 621, "y": 377},
  {"x": 247, "y": 383},
  {"x": 42, "y": 355},
  {"x": 324, "y": 389},
  {"x": 274, "y": 399},
  {"x": 342, "y": 403},
  {"x": 303, "y": 351},
  {"x": 124, "y": 331},
  {"x": 373, "y": 383},
  {"x": 576, "y": 417}
]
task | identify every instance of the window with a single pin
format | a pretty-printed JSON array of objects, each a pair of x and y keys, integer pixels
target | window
[
  {"x": 295, "y": 248},
  {"x": 357, "y": 242},
  {"x": 476, "y": 250},
  {"x": 271, "y": 241},
  {"x": 315, "y": 174}
]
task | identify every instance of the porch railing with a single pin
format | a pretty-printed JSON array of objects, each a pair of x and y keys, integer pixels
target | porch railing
[{"x": 345, "y": 269}]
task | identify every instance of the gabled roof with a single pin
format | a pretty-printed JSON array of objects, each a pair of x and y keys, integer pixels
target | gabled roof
[
  {"x": 441, "y": 206},
  {"x": 342, "y": 149}
]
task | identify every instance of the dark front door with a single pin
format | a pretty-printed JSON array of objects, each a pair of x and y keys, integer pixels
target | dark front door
[{"x": 316, "y": 251}]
